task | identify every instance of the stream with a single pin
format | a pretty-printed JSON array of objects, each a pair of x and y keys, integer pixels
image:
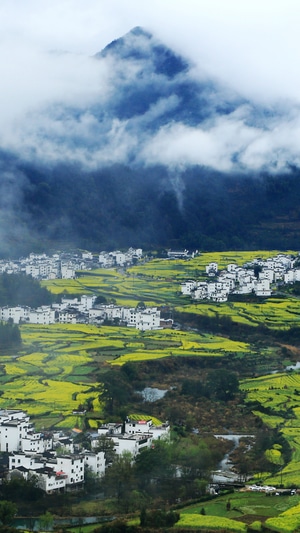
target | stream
[
  {"x": 33, "y": 523},
  {"x": 225, "y": 474}
]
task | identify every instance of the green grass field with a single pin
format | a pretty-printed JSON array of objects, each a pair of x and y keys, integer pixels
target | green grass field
[
  {"x": 280, "y": 394},
  {"x": 246, "y": 508}
]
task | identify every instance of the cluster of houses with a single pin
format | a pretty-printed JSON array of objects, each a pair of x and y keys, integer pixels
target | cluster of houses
[
  {"x": 84, "y": 311},
  {"x": 255, "y": 277},
  {"x": 58, "y": 464},
  {"x": 65, "y": 265}
]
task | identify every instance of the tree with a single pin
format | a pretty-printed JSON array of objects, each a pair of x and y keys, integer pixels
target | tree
[
  {"x": 91, "y": 481},
  {"x": 116, "y": 391},
  {"x": 119, "y": 480},
  {"x": 194, "y": 458},
  {"x": 106, "y": 444},
  {"x": 21, "y": 489},
  {"x": 7, "y": 511},
  {"x": 19, "y": 289},
  {"x": 222, "y": 384},
  {"x": 46, "y": 521},
  {"x": 100, "y": 300},
  {"x": 10, "y": 336}
]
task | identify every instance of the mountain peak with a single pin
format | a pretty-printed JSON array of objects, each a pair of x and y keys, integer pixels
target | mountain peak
[{"x": 140, "y": 45}]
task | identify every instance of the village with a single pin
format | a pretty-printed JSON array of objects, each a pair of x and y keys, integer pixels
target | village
[
  {"x": 56, "y": 461},
  {"x": 77, "y": 310},
  {"x": 258, "y": 277},
  {"x": 255, "y": 277},
  {"x": 64, "y": 265}
]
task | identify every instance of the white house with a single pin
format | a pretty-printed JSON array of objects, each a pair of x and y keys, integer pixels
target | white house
[
  {"x": 67, "y": 271},
  {"x": 16, "y": 314},
  {"x": 50, "y": 481},
  {"x": 71, "y": 465},
  {"x": 188, "y": 286},
  {"x": 136, "y": 427},
  {"x": 211, "y": 269},
  {"x": 12, "y": 431},
  {"x": 42, "y": 315},
  {"x": 131, "y": 443},
  {"x": 96, "y": 462},
  {"x": 262, "y": 287},
  {"x": 25, "y": 460},
  {"x": 36, "y": 443}
]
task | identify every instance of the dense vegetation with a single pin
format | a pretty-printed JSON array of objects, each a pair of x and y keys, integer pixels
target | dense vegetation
[
  {"x": 19, "y": 289},
  {"x": 10, "y": 337},
  {"x": 113, "y": 207}
]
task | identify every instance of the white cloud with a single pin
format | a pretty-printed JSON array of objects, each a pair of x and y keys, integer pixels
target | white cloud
[{"x": 45, "y": 61}]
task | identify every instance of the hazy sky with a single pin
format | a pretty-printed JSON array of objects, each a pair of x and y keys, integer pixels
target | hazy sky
[{"x": 251, "y": 46}]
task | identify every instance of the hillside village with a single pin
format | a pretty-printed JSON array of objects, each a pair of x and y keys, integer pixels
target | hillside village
[
  {"x": 255, "y": 277},
  {"x": 64, "y": 265},
  {"x": 56, "y": 461},
  {"x": 77, "y": 310}
]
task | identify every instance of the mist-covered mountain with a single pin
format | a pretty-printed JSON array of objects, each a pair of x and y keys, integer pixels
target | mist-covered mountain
[{"x": 157, "y": 156}]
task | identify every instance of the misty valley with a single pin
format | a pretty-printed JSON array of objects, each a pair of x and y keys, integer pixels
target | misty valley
[{"x": 84, "y": 334}]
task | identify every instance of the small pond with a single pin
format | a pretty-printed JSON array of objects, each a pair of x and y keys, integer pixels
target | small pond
[{"x": 152, "y": 394}]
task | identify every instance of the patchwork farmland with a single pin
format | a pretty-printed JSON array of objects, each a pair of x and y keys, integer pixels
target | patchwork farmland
[{"x": 55, "y": 371}]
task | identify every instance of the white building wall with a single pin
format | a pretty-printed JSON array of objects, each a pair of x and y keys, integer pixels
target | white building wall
[
  {"x": 32, "y": 444},
  {"x": 50, "y": 482},
  {"x": 72, "y": 466},
  {"x": 10, "y": 437},
  {"x": 187, "y": 287},
  {"x": 123, "y": 444},
  {"x": 30, "y": 462},
  {"x": 96, "y": 462}
]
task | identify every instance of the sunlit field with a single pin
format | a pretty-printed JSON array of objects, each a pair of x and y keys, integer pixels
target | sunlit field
[
  {"x": 274, "y": 313},
  {"x": 187, "y": 269},
  {"x": 210, "y": 523},
  {"x": 279, "y": 394},
  {"x": 246, "y": 508},
  {"x": 57, "y": 368}
]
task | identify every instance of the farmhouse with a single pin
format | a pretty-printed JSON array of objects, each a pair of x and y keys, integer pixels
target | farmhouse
[
  {"x": 133, "y": 435},
  {"x": 147, "y": 427}
]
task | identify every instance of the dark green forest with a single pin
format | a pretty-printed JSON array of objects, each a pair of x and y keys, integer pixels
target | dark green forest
[
  {"x": 19, "y": 289},
  {"x": 10, "y": 337},
  {"x": 149, "y": 207}
]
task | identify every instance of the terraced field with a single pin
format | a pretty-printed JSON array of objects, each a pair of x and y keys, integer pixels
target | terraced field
[
  {"x": 55, "y": 372},
  {"x": 279, "y": 394},
  {"x": 246, "y": 508},
  {"x": 157, "y": 283}
]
